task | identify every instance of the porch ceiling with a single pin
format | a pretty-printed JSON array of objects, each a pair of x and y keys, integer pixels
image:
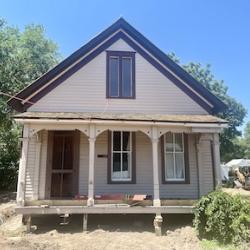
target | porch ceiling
[{"x": 107, "y": 116}]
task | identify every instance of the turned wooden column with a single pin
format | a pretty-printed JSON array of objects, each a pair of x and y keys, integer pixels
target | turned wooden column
[{"x": 92, "y": 139}]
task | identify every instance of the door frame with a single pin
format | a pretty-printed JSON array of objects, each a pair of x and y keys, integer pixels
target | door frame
[{"x": 76, "y": 156}]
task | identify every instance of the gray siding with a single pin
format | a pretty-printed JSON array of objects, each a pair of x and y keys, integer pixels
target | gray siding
[
  {"x": 31, "y": 183},
  {"x": 144, "y": 172},
  {"x": 85, "y": 91}
]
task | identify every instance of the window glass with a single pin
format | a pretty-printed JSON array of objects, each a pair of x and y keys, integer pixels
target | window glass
[
  {"x": 179, "y": 166},
  {"x": 174, "y": 157},
  {"x": 114, "y": 76},
  {"x": 121, "y": 75},
  {"x": 116, "y": 141},
  {"x": 126, "y": 141},
  {"x": 121, "y": 156},
  {"x": 126, "y": 165},
  {"x": 169, "y": 142},
  {"x": 178, "y": 143},
  {"x": 126, "y": 77},
  {"x": 170, "y": 166},
  {"x": 116, "y": 174}
]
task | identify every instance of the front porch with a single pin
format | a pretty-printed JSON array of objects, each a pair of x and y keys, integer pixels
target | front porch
[{"x": 92, "y": 175}]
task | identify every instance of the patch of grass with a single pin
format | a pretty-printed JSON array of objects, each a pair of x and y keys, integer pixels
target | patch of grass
[{"x": 215, "y": 245}]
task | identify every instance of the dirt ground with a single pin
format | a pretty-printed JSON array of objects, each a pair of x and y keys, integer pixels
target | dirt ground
[
  {"x": 240, "y": 191},
  {"x": 104, "y": 232}
]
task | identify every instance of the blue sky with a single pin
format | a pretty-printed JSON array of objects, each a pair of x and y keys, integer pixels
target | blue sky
[{"x": 215, "y": 31}]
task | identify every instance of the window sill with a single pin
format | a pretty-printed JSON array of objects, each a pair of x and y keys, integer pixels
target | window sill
[
  {"x": 176, "y": 182},
  {"x": 121, "y": 182},
  {"x": 120, "y": 97}
]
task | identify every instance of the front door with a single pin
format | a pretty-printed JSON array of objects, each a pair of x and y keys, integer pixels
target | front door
[{"x": 64, "y": 164}]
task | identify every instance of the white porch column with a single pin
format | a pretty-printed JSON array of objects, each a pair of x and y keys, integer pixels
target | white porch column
[
  {"x": 22, "y": 167},
  {"x": 216, "y": 156},
  {"x": 92, "y": 138},
  {"x": 155, "y": 140},
  {"x": 199, "y": 165},
  {"x": 37, "y": 166}
]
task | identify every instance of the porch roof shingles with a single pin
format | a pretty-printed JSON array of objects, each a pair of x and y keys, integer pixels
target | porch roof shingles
[{"x": 121, "y": 117}]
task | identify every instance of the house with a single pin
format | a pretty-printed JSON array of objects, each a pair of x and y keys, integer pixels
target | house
[{"x": 117, "y": 127}]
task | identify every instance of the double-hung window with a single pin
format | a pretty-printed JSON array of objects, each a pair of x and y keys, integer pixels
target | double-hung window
[
  {"x": 121, "y": 157},
  {"x": 120, "y": 74},
  {"x": 175, "y": 158}
]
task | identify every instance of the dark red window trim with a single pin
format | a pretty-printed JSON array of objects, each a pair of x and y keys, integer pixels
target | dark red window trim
[
  {"x": 186, "y": 162},
  {"x": 120, "y": 55},
  {"x": 133, "y": 180}
]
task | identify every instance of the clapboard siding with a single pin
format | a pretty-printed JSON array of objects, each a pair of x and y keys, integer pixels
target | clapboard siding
[
  {"x": 85, "y": 91},
  {"x": 144, "y": 171},
  {"x": 206, "y": 178},
  {"x": 30, "y": 180},
  {"x": 184, "y": 191},
  {"x": 43, "y": 164}
]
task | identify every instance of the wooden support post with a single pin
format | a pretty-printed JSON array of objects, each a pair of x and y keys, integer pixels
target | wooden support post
[
  {"x": 157, "y": 224},
  {"x": 155, "y": 140},
  {"x": 216, "y": 158},
  {"x": 37, "y": 166},
  {"x": 85, "y": 222},
  {"x": 22, "y": 167},
  {"x": 27, "y": 222},
  {"x": 92, "y": 138},
  {"x": 200, "y": 166}
]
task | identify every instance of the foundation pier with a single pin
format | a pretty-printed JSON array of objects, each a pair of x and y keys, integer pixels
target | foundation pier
[{"x": 157, "y": 224}]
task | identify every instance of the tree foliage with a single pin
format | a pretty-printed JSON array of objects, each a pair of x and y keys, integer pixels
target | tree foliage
[
  {"x": 24, "y": 56},
  {"x": 234, "y": 113}
]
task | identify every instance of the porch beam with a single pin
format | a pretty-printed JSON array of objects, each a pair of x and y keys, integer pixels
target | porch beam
[
  {"x": 22, "y": 166},
  {"x": 105, "y": 210},
  {"x": 92, "y": 139},
  {"x": 155, "y": 141}
]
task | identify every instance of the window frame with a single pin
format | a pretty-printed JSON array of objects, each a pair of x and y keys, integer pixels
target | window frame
[
  {"x": 132, "y": 180},
  {"x": 120, "y": 55},
  {"x": 186, "y": 179}
]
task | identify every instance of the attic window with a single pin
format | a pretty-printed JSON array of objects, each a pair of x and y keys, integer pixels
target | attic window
[{"x": 120, "y": 74}]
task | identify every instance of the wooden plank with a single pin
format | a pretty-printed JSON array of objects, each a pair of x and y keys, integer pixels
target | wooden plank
[
  {"x": 130, "y": 202},
  {"x": 105, "y": 209}
]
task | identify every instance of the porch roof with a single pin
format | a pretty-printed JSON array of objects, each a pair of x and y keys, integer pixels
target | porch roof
[{"x": 107, "y": 116}]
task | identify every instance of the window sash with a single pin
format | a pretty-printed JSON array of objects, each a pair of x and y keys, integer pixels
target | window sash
[
  {"x": 124, "y": 90},
  {"x": 174, "y": 153},
  {"x": 112, "y": 77},
  {"x": 121, "y": 152}
]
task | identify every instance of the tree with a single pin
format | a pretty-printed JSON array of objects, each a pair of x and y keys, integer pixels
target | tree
[
  {"x": 24, "y": 56},
  {"x": 234, "y": 113}
]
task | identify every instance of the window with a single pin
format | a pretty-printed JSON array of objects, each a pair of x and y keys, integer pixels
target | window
[
  {"x": 120, "y": 74},
  {"x": 175, "y": 158},
  {"x": 121, "y": 157}
]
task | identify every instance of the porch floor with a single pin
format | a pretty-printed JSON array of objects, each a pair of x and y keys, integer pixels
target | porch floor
[{"x": 106, "y": 207}]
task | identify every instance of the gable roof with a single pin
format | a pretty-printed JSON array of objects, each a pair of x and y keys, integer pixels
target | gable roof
[{"x": 119, "y": 30}]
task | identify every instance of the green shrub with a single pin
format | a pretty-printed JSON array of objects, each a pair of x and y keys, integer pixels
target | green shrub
[{"x": 223, "y": 217}]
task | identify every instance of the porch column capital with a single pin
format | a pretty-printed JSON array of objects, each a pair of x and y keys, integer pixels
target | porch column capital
[
  {"x": 92, "y": 140},
  {"x": 154, "y": 140}
]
